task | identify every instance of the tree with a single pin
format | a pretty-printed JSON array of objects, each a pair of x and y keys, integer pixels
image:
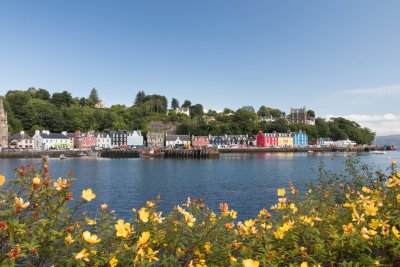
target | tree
[
  {"x": 186, "y": 104},
  {"x": 61, "y": 99},
  {"x": 140, "y": 98},
  {"x": 174, "y": 103},
  {"x": 42, "y": 94},
  {"x": 310, "y": 114},
  {"x": 196, "y": 111},
  {"x": 94, "y": 96}
]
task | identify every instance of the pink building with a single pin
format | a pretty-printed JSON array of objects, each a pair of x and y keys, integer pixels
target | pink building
[
  {"x": 199, "y": 141},
  {"x": 85, "y": 140}
]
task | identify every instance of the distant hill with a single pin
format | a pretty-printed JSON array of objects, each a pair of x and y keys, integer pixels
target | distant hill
[{"x": 388, "y": 140}]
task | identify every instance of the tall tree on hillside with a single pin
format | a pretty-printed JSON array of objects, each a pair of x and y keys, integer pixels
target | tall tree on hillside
[
  {"x": 94, "y": 96},
  {"x": 61, "y": 99},
  {"x": 196, "y": 111},
  {"x": 186, "y": 104},
  {"x": 174, "y": 103},
  {"x": 140, "y": 98},
  {"x": 42, "y": 94}
]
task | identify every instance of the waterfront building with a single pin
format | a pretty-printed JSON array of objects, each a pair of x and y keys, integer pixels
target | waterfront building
[
  {"x": 285, "y": 140},
  {"x": 85, "y": 140},
  {"x": 271, "y": 139},
  {"x": 155, "y": 139},
  {"x": 45, "y": 140},
  {"x": 219, "y": 140},
  {"x": 345, "y": 143},
  {"x": 325, "y": 142},
  {"x": 200, "y": 141},
  {"x": 21, "y": 140},
  {"x": 103, "y": 140},
  {"x": 177, "y": 140},
  {"x": 118, "y": 138},
  {"x": 300, "y": 139},
  {"x": 3, "y": 126},
  {"x": 135, "y": 139},
  {"x": 261, "y": 140},
  {"x": 237, "y": 140}
]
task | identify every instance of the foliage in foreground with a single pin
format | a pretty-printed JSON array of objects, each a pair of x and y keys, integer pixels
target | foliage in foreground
[{"x": 343, "y": 220}]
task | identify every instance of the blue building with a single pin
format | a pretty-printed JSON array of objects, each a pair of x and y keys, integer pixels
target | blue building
[
  {"x": 218, "y": 140},
  {"x": 300, "y": 139}
]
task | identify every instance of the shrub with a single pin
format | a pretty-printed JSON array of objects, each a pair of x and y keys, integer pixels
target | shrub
[{"x": 342, "y": 220}]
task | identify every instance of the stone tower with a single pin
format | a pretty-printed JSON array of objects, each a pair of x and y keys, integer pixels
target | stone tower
[{"x": 3, "y": 126}]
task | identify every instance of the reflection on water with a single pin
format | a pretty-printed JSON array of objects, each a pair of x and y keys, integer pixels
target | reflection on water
[{"x": 247, "y": 182}]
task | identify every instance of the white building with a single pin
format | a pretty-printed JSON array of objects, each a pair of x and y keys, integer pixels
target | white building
[
  {"x": 103, "y": 140},
  {"x": 185, "y": 111},
  {"x": 345, "y": 143},
  {"x": 45, "y": 140},
  {"x": 173, "y": 140},
  {"x": 135, "y": 139},
  {"x": 21, "y": 140}
]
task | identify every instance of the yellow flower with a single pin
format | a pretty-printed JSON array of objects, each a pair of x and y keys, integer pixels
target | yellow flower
[
  {"x": 92, "y": 239},
  {"x": 395, "y": 232},
  {"x": 35, "y": 181},
  {"x": 90, "y": 222},
  {"x": 151, "y": 255},
  {"x": 213, "y": 216},
  {"x": 281, "y": 192},
  {"x": 123, "y": 229},
  {"x": 304, "y": 264},
  {"x": 88, "y": 195},
  {"x": 157, "y": 217},
  {"x": 232, "y": 259},
  {"x": 233, "y": 214},
  {"x": 60, "y": 184},
  {"x": 249, "y": 223},
  {"x": 374, "y": 224},
  {"x": 113, "y": 262},
  {"x": 250, "y": 263},
  {"x": 144, "y": 238},
  {"x": 190, "y": 220},
  {"x": 144, "y": 215},
  {"x": 370, "y": 210},
  {"x": 202, "y": 263},
  {"x": 82, "y": 255},
  {"x": 366, "y": 190},
  {"x": 348, "y": 229},
  {"x": 2, "y": 180},
  {"x": 293, "y": 207},
  {"x": 398, "y": 198},
  {"x": 207, "y": 247},
  {"x": 69, "y": 239},
  {"x": 20, "y": 203}
]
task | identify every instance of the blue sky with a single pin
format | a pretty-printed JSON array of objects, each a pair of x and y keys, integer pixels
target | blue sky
[{"x": 335, "y": 57}]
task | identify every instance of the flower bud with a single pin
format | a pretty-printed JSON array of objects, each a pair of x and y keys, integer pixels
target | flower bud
[
  {"x": 36, "y": 181},
  {"x": 103, "y": 207}
]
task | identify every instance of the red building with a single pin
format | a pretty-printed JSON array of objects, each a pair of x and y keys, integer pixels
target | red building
[
  {"x": 85, "y": 140},
  {"x": 199, "y": 141},
  {"x": 267, "y": 139}
]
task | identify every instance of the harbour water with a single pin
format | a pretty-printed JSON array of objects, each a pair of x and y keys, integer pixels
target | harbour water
[{"x": 247, "y": 182}]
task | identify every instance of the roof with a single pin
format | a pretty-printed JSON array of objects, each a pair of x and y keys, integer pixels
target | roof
[
  {"x": 181, "y": 137},
  {"x": 19, "y": 137},
  {"x": 53, "y": 136}
]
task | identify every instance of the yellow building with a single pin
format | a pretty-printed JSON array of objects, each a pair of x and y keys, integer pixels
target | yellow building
[{"x": 285, "y": 140}]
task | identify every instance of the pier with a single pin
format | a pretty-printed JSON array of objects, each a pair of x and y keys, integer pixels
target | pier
[{"x": 192, "y": 154}]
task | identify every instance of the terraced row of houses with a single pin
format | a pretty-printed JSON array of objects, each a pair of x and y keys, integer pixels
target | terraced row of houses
[{"x": 45, "y": 140}]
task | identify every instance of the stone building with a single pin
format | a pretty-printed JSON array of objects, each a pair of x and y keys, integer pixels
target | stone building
[{"x": 3, "y": 126}]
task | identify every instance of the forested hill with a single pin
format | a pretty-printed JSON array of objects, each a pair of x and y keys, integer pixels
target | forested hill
[{"x": 38, "y": 109}]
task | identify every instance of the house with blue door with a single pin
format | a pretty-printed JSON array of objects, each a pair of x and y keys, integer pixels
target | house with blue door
[{"x": 300, "y": 139}]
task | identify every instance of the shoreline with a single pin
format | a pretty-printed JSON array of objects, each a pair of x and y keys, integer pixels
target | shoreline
[{"x": 186, "y": 153}]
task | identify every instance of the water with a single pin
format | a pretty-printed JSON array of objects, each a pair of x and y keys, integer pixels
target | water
[{"x": 247, "y": 182}]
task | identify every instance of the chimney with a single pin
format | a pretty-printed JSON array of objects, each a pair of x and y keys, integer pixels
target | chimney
[
  {"x": 64, "y": 133},
  {"x": 37, "y": 132},
  {"x": 46, "y": 132},
  {"x": 22, "y": 133}
]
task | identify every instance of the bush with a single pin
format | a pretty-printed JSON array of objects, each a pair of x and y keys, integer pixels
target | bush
[{"x": 342, "y": 220}]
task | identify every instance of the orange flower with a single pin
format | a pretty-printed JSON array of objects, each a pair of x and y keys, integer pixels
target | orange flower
[
  {"x": 2, "y": 180},
  {"x": 60, "y": 184},
  {"x": 36, "y": 181},
  {"x": 103, "y": 207},
  {"x": 14, "y": 253},
  {"x": 69, "y": 239}
]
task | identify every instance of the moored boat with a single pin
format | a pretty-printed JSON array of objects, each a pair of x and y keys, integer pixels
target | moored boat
[
  {"x": 62, "y": 156},
  {"x": 377, "y": 152}
]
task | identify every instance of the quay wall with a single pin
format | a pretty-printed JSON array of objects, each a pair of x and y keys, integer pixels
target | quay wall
[
  {"x": 38, "y": 154},
  {"x": 298, "y": 149}
]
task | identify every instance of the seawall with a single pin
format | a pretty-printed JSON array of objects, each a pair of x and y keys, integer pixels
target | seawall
[{"x": 298, "y": 149}]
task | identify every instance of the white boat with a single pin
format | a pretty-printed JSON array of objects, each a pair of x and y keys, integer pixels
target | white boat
[
  {"x": 62, "y": 156},
  {"x": 82, "y": 154},
  {"x": 377, "y": 152}
]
